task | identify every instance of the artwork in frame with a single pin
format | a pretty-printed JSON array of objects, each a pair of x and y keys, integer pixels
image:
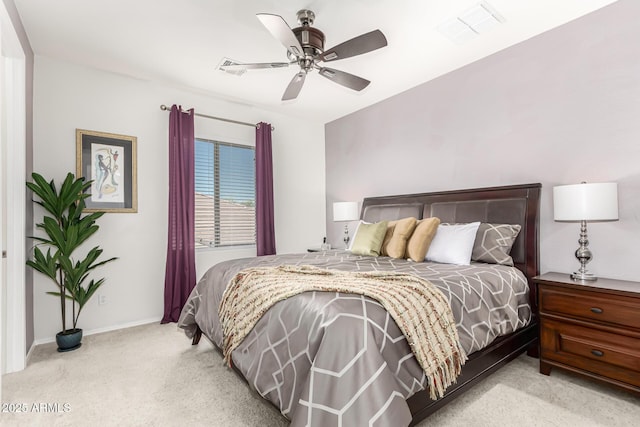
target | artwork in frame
[{"x": 110, "y": 161}]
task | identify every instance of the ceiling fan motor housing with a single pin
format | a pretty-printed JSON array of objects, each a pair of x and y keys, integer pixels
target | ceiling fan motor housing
[{"x": 311, "y": 39}]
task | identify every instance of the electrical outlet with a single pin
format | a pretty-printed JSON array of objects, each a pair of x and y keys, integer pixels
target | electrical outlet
[{"x": 102, "y": 299}]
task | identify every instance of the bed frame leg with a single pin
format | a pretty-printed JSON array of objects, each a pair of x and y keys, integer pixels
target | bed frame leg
[
  {"x": 534, "y": 351},
  {"x": 196, "y": 336}
]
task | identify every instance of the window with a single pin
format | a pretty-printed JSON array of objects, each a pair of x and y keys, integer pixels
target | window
[{"x": 225, "y": 176}]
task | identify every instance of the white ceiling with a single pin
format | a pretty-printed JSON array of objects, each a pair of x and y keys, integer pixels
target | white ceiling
[{"x": 181, "y": 42}]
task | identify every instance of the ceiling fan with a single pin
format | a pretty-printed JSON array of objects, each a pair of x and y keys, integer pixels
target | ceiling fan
[{"x": 305, "y": 47}]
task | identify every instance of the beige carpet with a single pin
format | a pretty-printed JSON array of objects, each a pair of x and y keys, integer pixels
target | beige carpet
[{"x": 152, "y": 376}]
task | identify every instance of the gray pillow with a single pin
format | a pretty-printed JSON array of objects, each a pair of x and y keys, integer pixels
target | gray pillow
[{"x": 493, "y": 243}]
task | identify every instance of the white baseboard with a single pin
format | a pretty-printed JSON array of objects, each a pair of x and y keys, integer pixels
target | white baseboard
[
  {"x": 29, "y": 353},
  {"x": 98, "y": 331}
]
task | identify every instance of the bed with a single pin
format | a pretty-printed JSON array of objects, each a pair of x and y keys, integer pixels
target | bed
[{"x": 308, "y": 357}]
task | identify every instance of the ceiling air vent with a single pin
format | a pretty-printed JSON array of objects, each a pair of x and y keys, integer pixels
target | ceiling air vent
[
  {"x": 479, "y": 19},
  {"x": 226, "y": 62}
]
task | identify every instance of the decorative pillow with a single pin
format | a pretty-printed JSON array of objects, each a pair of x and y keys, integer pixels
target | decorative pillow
[
  {"x": 395, "y": 240},
  {"x": 356, "y": 232},
  {"x": 493, "y": 243},
  {"x": 453, "y": 244},
  {"x": 419, "y": 242},
  {"x": 368, "y": 239}
]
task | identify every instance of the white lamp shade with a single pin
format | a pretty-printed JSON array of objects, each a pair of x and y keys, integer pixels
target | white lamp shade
[
  {"x": 345, "y": 211},
  {"x": 586, "y": 202}
]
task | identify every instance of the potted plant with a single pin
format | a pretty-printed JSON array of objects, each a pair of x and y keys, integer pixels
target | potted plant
[{"x": 66, "y": 229}]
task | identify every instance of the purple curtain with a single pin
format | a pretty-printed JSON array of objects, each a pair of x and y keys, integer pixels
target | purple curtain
[
  {"x": 265, "y": 231},
  {"x": 180, "y": 273}
]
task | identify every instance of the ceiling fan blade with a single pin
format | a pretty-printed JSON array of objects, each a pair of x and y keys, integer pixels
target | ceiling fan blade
[
  {"x": 344, "y": 79},
  {"x": 356, "y": 46},
  {"x": 278, "y": 27},
  {"x": 255, "y": 66},
  {"x": 294, "y": 87}
]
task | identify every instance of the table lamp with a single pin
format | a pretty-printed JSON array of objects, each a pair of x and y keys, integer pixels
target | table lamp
[
  {"x": 585, "y": 202},
  {"x": 345, "y": 211}
]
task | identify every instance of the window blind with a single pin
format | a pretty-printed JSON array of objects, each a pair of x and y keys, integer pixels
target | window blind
[{"x": 225, "y": 194}]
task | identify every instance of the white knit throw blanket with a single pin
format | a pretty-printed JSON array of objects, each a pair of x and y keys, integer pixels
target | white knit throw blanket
[{"x": 420, "y": 310}]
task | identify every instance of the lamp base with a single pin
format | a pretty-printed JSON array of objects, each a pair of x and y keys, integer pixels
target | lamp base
[
  {"x": 583, "y": 254},
  {"x": 577, "y": 275},
  {"x": 346, "y": 237}
]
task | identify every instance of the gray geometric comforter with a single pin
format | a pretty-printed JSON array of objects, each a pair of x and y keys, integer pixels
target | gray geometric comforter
[{"x": 335, "y": 359}]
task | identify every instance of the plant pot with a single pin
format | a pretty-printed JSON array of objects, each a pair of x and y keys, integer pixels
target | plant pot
[{"x": 69, "y": 340}]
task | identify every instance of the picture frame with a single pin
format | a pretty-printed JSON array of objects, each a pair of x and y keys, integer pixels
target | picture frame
[{"x": 110, "y": 161}]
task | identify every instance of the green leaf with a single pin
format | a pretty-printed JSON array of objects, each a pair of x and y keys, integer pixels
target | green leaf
[
  {"x": 45, "y": 264},
  {"x": 46, "y": 192},
  {"x": 57, "y": 294},
  {"x": 55, "y": 233},
  {"x": 86, "y": 295}
]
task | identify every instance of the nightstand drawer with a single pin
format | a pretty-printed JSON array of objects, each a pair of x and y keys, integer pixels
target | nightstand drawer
[
  {"x": 611, "y": 355},
  {"x": 606, "y": 308}
]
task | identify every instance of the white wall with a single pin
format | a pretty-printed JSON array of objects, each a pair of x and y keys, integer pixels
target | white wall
[{"x": 68, "y": 96}]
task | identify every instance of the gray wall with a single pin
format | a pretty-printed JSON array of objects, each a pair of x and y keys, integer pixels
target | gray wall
[
  {"x": 560, "y": 108},
  {"x": 28, "y": 52}
]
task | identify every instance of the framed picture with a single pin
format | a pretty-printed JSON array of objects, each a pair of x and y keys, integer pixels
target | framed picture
[{"x": 110, "y": 161}]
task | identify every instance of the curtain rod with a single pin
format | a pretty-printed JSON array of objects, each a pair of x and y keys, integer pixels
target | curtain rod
[{"x": 165, "y": 108}]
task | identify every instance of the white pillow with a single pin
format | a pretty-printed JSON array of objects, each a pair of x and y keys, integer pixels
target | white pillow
[
  {"x": 355, "y": 232},
  {"x": 453, "y": 244}
]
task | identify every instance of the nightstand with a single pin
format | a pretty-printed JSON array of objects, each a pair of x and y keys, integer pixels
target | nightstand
[{"x": 591, "y": 328}]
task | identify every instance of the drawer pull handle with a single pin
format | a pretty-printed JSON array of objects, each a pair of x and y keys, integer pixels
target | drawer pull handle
[
  {"x": 597, "y": 353},
  {"x": 596, "y": 310}
]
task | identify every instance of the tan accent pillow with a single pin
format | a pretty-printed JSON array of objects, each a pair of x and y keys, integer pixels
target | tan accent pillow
[
  {"x": 368, "y": 239},
  {"x": 398, "y": 233},
  {"x": 419, "y": 242}
]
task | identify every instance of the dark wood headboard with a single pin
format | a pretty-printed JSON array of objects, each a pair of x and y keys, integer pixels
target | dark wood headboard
[{"x": 513, "y": 204}]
